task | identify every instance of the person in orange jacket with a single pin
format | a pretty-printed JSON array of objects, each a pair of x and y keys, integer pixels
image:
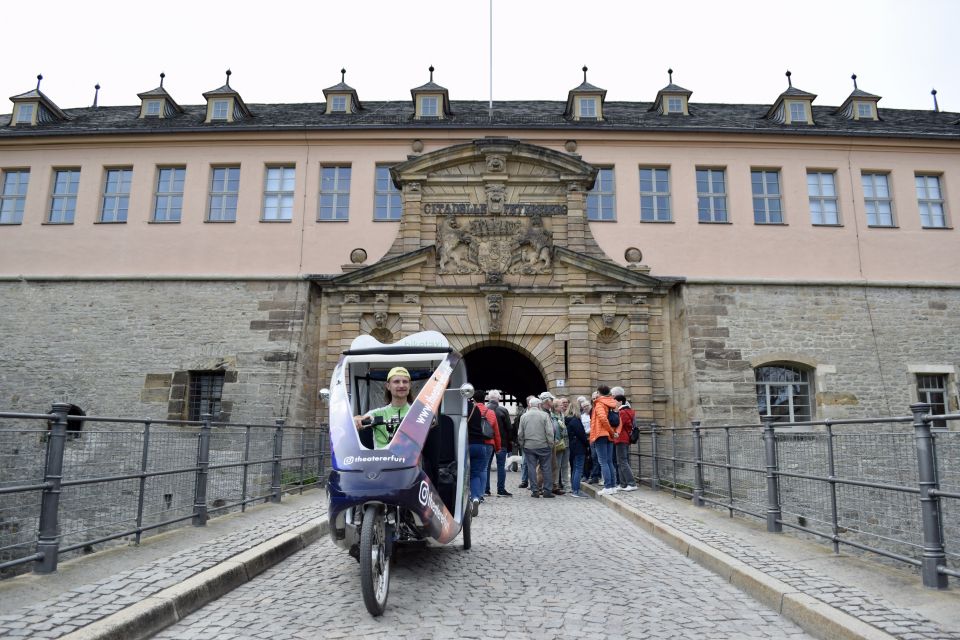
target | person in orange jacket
[{"x": 603, "y": 435}]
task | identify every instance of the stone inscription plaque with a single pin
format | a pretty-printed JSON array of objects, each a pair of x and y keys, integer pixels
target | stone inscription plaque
[{"x": 471, "y": 209}]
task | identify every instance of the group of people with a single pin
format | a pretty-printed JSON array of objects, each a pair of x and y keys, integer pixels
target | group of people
[
  {"x": 558, "y": 438},
  {"x": 561, "y": 442}
]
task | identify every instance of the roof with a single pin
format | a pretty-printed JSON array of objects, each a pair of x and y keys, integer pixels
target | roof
[{"x": 473, "y": 114}]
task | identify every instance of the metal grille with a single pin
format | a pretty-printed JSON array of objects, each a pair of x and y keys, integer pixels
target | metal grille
[{"x": 206, "y": 390}]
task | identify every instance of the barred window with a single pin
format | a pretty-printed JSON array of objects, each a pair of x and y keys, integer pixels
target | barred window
[
  {"x": 932, "y": 388},
  {"x": 602, "y": 199},
  {"x": 783, "y": 391},
  {"x": 206, "y": 392}
]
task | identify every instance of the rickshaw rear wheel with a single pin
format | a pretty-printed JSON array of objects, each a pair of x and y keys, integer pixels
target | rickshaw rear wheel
[
  {"x": 374, "y": 563},
  {"x": 467, "y": 519}
]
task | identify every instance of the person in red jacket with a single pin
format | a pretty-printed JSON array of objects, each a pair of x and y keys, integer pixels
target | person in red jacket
[{"x": 622, "y": 444}]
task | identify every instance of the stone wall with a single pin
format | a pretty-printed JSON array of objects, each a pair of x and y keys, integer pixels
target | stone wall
[{"x": 863, "y": 343}]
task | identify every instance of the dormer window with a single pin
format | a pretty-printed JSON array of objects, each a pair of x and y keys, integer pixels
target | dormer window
[
  {"x": 25, "y": 113},
  {"x": 341, "y": 98},
  {"x": 798, "y": 112},
  {"x": 793, "y": 106},
  {"x": 157, "y": 103},
  {"x": 428, "y": 106},
  {"x": 859, "y": 105},
  {"x": 864, "y": 110},
  {"x": 152, "y": 108},
  {"x": 338, "y": 104},
  {"x": 588, "y": 107},
  {"x": 674, "y": 105},
  {"x": 220, "y": 110},
  {"x": 672, "y": 99}
]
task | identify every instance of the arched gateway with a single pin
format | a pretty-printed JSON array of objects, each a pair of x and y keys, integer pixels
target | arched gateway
[{"x": 494, "y": 250}]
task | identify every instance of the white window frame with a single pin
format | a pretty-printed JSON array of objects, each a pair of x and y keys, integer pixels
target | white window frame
[
  {"x": 768, "y": 386},
  {"x": 873, "y": 203},
  {"x": 13, "y": 195},
  {"x": 767, "y": 206},
  {"x": 166, "y": 193},
  {"x": 712, "y": 196},
  {"x": 798, "y": 112},
  {"x": 587, "y": 106},
  {"x": 864, "y": 111},
  {"x": 115, "y": 199},
  {"x": 218, "y": 212},
  {"x": 336, "y": 198},
  {"x": 819, "y": 200},
  {"x": 930, "y": 202},
  {"x": 220, "y": 110},
  {"x": 674, "y": 104},
  {"x": 386, "y": 197},
  {"x": 655, "y": 205},
  {"x": 153, "y": 107},
  {"x": 25, "y": 113},
  {"x": 279, "y": 184},
  {"x": 602, "y": 198},
  {"x": 338, "y": 104},
  {"x": 63, "y": 200},
  {"x": 429, "y": 106}
]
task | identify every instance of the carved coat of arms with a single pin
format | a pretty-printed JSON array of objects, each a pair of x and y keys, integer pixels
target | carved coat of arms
[{"x": 495, "y": 246}]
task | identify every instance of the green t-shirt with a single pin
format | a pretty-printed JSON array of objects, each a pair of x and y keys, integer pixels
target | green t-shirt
[{"x": 381, "y": 437}]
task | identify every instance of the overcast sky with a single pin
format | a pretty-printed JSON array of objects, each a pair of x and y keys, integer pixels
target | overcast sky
[{"x": 733, "y": 51}]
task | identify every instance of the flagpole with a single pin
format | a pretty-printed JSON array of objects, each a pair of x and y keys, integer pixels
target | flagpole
[{"x": 491, "y": 59}]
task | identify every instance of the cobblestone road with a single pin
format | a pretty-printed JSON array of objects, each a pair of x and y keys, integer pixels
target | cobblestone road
[{"x": 539, "y": 569}]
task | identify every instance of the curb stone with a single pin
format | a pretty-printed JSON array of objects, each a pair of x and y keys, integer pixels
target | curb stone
[
  {"x": 810, "y": 614},
  {"x": 156, "y": 612}
]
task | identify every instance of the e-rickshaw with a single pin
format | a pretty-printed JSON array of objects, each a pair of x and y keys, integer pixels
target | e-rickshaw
[{"x": 417, "y": 487}]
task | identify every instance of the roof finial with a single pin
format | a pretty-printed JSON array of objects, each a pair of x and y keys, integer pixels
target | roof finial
[
  {"x": 936, "y": 107},
  {"x": 789, "y": 81},
  {"x": 162, "y": 76},
  {"x": 229, "y": 73},
  {"x": 39, "y": 78},
  {"x": 584, "y": 73},
  {"x": 670, "y": 74},
  {"x": 431, "y": 73},
  {"x": 343, "y": 75},
  {"x": 96, "y": 94},
  {"x": 854, "y": 78}
]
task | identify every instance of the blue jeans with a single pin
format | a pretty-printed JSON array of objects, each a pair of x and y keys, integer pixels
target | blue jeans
[
  {"x": 576, "y": 470},
  {"x": 595, "y": 463},
  {"x": 502, "y": 470},
  {"x": 489, "y": 462},
  {"x": 605, "y": 454},
  {"x": 479, "y": 456},
  {"x": 523, "y": 467}
]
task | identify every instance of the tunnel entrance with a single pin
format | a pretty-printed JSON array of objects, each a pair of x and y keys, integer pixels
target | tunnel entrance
[{"x": 505, "y": 369}]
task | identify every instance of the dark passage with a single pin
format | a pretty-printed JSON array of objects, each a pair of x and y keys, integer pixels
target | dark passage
[{"x": 505, "y": 369}]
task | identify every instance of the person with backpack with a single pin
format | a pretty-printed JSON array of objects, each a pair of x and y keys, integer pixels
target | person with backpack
[
  {"x": 604, "y": 424},
  {"x": 483, "y": 434},
  {"x": 622, "y": 444}
]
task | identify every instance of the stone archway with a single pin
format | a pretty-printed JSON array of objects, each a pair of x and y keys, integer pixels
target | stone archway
[{"x": 506, "y": 369}]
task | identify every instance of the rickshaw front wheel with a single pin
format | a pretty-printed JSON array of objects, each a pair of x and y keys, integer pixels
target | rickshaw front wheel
[
  {"x": 374, "y": 563},
  {"x": 467, "y": 518}
]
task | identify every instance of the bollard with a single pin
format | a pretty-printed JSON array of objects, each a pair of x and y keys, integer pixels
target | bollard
[
  {"x": 697, "y": 465},
  {"x": 277, "y": 455},
  {"x": 655, "y": 463},
  {"x": 774, "y": 514},
  {"x": 933, "y": 550},
  {"x": 200, "y": 516},
  {"x": 48, "y": 536}
]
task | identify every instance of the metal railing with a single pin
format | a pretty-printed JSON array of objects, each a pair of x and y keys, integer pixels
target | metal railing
[
  {"x": 79, "y": 481},
  {"x": 889, "y": 486}
]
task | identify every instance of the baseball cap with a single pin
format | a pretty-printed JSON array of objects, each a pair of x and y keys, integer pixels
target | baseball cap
[
  {"x": 546, "y": 395},
  {"x": 398, "y": 371}
]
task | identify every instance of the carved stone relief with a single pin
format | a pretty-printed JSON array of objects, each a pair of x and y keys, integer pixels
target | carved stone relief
[
  {"x": 496, "y": 195},
  {"x": 496, "y": 163},
  {"x": 494, "y": 306},
  {"x": 517, "y": 245}
]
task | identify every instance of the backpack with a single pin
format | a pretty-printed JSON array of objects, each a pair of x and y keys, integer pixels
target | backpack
[
  {"x": 634, "y": 435},
  {"x": 613, "y": 416}
]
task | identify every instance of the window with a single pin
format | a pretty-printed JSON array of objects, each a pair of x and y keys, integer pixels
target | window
[
  {"x": 864, "y": 110},
  {"x": 25, "y": 114},
  {"x": 206, "y": 392},
  {"x": 387, "y": 204},
  {"x": 783, "y": 391},
  {"x": 153, "y": 108},
  {"x": 338, "y": 104},
  {"x": 674, "y": 105},
  {"x": 13, "y": 197},
  {"x": 876, "y": 195},
  {"x": 224, "y": 192},
  {"x": 711, "y": 195},
  {"x": 63, "y": 204},
  {"x": 116, "y": 195},
  {"x": 220, "y": 109},
  {"x": 428, "y": 106},
  {"x": 822, "y": 190},
  {"x": 588, "y": 107},
  {"x": 334, "y": 193},
  {"x": 278, "y": 193},
  {"x": 601, "y": 200},
  {"x": 932, "y": 388},
  {"x": 654, "y": 195},
  {"x": 798, "y": 112},
  {"x": 930, "y": 201},
  {"x": 765, "y": 186},
  {"x": 168, "y": 202}
]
